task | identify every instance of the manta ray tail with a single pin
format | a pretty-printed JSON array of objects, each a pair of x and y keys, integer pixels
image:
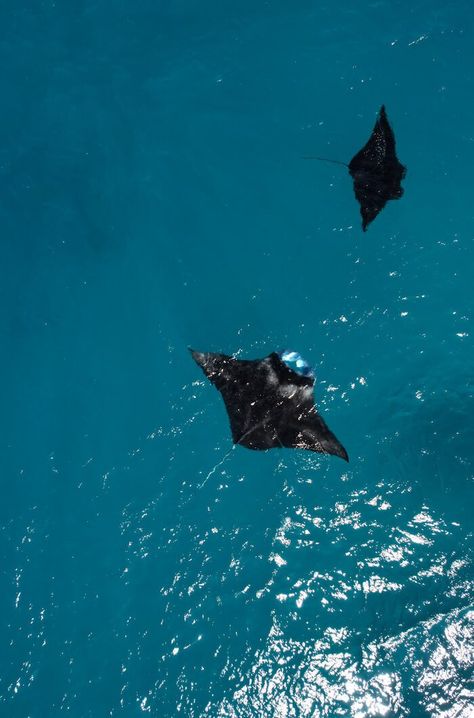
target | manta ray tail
[
  {"x": 325, "y": 159},
  {"x": 217, "y": 466}
]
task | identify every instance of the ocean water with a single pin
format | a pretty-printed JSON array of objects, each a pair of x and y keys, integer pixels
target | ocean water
[{"x": 153, "y": 196}]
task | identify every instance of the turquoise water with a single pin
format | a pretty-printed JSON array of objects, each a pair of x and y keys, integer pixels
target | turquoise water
[{"x": 153, "y": 197}]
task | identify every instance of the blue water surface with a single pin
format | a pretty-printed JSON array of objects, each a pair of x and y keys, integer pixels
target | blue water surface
[{"x": 153, "y": 196}]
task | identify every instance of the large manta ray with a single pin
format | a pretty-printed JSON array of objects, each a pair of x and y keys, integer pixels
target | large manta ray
[
  {"x": 376, "y": 171},
  {"x": 269, "y": 404}
]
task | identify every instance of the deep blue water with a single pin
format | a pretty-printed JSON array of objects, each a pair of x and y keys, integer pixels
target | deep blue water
[{"x": 153, "y": 197}]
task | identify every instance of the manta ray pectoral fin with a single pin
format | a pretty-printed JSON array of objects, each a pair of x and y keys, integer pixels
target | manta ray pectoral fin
[
  {"x": 199, "y": 357},
  {"x": 334, "y": 447},
  {"x": 217, "y": 367},
  {"x": 324, "y": 443}
]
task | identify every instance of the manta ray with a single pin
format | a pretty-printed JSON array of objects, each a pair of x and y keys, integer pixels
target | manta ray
[
  {"x": 376, "y": 170},
  {"x": 269, "y": 402}
]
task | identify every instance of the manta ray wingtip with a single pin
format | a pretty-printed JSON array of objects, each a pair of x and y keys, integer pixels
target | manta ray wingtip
[
  {"x": 198, "y": 357},
  {"x": 334, "y": 447}
]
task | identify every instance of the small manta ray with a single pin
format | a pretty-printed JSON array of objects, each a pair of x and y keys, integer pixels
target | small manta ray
[
  {"x": 376, "y": 171},
  {"x": 270, "y": 402}
]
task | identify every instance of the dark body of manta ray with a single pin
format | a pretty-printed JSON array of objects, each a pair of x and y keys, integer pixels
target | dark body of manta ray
[
  {"x": 269, "y": 404},
  {"x": 376, "y": 171}
]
